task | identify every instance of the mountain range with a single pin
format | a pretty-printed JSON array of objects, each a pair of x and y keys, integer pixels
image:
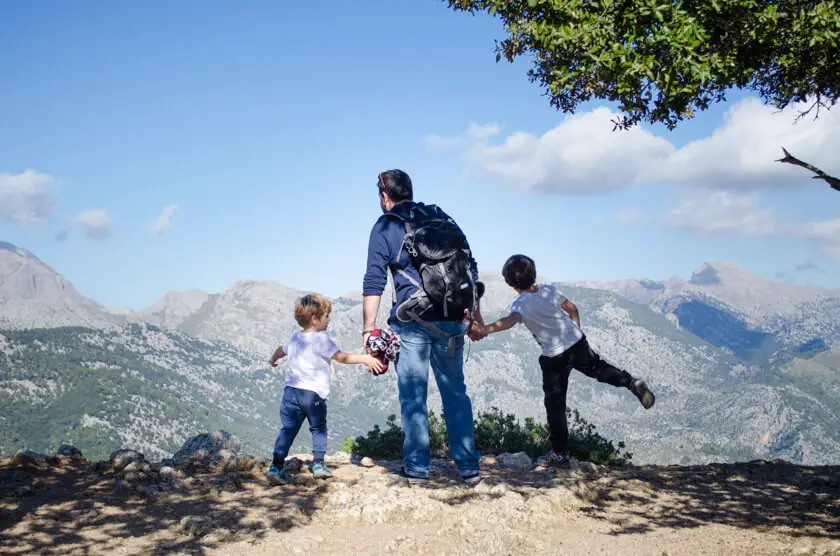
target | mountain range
[{"x": 743, "y": 367}]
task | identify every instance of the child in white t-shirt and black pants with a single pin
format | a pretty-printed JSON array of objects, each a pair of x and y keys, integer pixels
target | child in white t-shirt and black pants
[
  {"x": 554, "y": 322},
  {"x": 307, "y": 388}
]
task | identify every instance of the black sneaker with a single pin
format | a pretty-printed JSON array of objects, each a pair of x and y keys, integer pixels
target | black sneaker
[
  {"x": 553, "y": 459},
  {"x": 412, "y": 479},
  {"x": 640, "y": 388},
  {"x": 472, "y": 479}
]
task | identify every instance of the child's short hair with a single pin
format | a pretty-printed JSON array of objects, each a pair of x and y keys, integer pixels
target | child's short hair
[
  {"x": 311, "y": 305},
  {"x": 520, "y": 272}
]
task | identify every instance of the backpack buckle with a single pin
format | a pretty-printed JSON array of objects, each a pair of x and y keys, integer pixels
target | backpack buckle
[{"x": 409, "y": 246}]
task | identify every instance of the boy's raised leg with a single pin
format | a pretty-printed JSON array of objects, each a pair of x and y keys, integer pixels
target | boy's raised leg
[{"x": 590, "y": 363}]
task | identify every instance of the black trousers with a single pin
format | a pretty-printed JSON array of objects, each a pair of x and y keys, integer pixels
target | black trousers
[{"x": 556, "y": 370}]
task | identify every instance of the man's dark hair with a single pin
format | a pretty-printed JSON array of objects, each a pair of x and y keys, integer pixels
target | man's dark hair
[
  {"x": 520, "y": 272},
  {"x": 397, "y": 184}
]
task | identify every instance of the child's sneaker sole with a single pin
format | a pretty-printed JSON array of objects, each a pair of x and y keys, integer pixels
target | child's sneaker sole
[
  {"x": 640, "y": 388},
  {"x": 321, "y": 474}
]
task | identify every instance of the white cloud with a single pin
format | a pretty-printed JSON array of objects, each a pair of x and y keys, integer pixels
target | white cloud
[
  {"x": 26, "y": 198},
  {"x": 476, "y": 133},
  {"x": 742, "y": 152},
  {"x": 583, "y": 155},
  {"x": 724, "y": 213},
  {"x": 825, "y": 232},
  {"x": 163, "y": 223},
  {"x": 95, "y": 222}
]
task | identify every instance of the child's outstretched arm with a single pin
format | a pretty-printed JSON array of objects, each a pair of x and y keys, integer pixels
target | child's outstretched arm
[
  {"x": 278, "y": 354},
  {"x": 503, "y": 323},
  {"x": 358, "y": 359},
  {"x": 572, "y": 309}
]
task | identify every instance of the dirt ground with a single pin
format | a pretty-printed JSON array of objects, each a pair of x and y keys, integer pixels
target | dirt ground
[{"x": 756, "y": 508}]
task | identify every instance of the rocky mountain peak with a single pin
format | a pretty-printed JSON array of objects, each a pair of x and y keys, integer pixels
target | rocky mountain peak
[
  {"x": 25, "y": 276},
  {"x": 15, "y": 250},
  {"x": 32, "y": 294}
]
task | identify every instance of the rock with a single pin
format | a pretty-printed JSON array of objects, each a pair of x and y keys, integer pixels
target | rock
[
  {"x": 30, "y": 457},
  {"x": 246, "y": 463},
  {"x": 303, "y": 479},
  {"x": 70, "y": 451},
  {"x": 60, "y": 461},
  {"x": 293, "y": 465},
  {"x": 262, "y": 462},
  {"x": 339, "y": 458},
  {"x": 124, "y": 457},
  {"x": 205, "y": 446},
  {"x": 224, "y": 460},
  {"x": 230, "y": 480},
  {"x": 151, "y": 491},
  {"x": 195, "y": 525},
  {"x": 489, "y": 460},
  {"x": 170, "y": 473},
  {"x": 133, "y": 467},
  {"x": 585, "y": 466},
  {"x": 219, "y": 536},
  {"x": 519, "y": 460},
  {"x": 367, "y": 462}
]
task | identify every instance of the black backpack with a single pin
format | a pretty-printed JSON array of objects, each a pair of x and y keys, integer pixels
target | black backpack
[{"x": 439, "y": 251}]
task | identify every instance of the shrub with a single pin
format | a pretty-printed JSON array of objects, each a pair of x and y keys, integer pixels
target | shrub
[
  {"x": 495, "y": 433},
  {"x": 347, "y": 445}
]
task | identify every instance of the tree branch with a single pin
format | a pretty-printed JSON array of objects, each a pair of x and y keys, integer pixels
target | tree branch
[{"x": 820, "y": 175}]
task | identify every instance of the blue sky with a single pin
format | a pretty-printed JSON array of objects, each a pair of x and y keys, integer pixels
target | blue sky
[{"x": 263, "y": 126}]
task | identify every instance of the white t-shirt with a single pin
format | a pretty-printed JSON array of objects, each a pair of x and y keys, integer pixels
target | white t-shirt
[
  {"x": 309, "y": 356},
  {"x": 544, "y": 316}
]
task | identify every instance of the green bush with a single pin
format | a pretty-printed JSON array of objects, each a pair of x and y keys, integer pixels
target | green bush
[{"x": 495, "y": 433}]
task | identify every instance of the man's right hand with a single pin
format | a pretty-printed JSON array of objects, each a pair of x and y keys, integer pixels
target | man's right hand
[{"x": 476, "y": 331}]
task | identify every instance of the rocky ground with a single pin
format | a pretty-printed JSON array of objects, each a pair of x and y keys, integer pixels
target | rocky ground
[{"x": 209, "y": 499}]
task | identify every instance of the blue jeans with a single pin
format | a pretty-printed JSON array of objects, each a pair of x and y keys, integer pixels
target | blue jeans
[
  {"x": 420, "y": 346},
  {"x": 296, "y": 406}
]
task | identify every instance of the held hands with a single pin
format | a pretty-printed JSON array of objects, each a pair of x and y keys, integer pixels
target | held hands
[
  {"x": 272, "y": 362},
  {"x": 476, "y": 331},
  {"x": 374, "y": 365}
]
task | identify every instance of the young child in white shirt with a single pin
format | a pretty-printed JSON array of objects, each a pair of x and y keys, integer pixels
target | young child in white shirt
[
  {"x": 310, "y": 351},
  {"x": 554, "y": 322}
]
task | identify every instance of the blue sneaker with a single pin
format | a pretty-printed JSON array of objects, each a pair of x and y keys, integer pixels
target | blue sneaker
[
  {"x": 320, "y": 471},
  {"x": 276, "y": 476}
]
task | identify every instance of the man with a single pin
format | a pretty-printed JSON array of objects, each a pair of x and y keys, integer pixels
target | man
[{"x": 428, "y": 333}]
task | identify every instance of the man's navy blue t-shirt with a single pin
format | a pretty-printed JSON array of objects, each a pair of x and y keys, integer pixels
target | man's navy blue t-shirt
[{"x": 386, "y": 238}]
